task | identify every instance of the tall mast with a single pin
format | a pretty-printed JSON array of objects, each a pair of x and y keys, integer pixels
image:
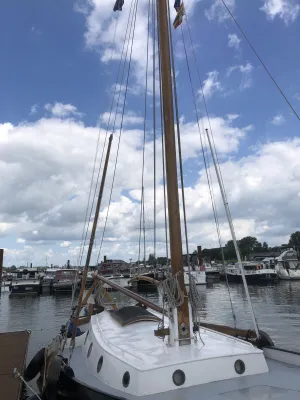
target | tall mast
[{"x": 171, "y": 170}]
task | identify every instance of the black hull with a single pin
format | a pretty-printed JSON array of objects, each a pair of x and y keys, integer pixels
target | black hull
[
  {"x": 25, "y": 290},
  {"x": 69, "y": 388},
  {"x": 252, "y": 279}
]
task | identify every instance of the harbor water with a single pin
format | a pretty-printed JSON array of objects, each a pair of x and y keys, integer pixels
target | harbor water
[{"x": 277, "y": 308}]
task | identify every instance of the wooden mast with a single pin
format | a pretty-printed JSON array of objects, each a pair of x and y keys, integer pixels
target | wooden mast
[
  {"x": 92, "y": 238},
  {"x": 171, "y": 170}
]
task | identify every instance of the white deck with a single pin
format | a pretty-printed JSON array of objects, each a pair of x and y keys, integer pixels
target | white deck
[{"x": 149, "y": 359}]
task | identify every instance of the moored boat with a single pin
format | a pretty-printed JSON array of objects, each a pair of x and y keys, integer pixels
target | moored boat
[
  {"x": 65, "y": 280},
  {"x": 254, "y": 273},
  {"x": 287, "y": 265},
  {"x": 26, "y": 282}
]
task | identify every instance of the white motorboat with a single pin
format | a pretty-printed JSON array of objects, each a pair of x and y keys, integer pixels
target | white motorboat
[
  {"x": 26, "y": 281},
  {"x": 254, "y": 272},
  {"x": 196, "y": 274},
  {"x": 48, "y": 279},
  {"x": 287, "y": 265}
]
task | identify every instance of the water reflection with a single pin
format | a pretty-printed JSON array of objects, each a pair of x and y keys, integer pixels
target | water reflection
[{"x": 277, "y": 308}]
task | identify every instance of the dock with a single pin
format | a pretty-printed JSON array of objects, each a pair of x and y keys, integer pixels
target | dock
[{"x": 13, "y": 351}]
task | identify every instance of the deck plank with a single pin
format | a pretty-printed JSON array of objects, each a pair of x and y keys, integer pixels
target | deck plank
[{"x": 13, "y": 351}]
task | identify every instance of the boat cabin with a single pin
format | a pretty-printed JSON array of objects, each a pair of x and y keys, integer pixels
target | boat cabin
[
  {"x": 289, "y": 260},
  {"x": 26, "y": 273}
]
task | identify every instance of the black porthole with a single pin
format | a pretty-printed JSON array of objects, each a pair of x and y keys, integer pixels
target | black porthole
[
  {"x": 126, "y": 379},
  {"x": 99, "y": 365},
  {"x": 86, "y": 337},
  {"x": 178, "y": 377},
  {"x": 239, "y": 367},
  {"x": 90, "y": 349}
]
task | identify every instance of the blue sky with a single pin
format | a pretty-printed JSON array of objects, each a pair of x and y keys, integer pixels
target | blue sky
[{"x": 56, "y": 81}]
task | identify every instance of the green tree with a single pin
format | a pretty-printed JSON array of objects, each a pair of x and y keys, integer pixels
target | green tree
[
  {"x": 151, "y": 259},
  {"x": 258, "y": 247},
  {"x": 248, "y": 245},
  {"x": 295, "y": 240},
  {"x": 265, "y": 246},
  {"x": 229, "y": 251}
]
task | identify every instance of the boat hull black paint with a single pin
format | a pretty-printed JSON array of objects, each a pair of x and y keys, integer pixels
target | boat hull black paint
[{"x": 255, "y": 278}]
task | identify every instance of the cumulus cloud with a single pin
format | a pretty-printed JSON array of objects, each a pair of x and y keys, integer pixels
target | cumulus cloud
[
  {"x": 65, "y": 243},
  {"x": 102, "y": 27},
  {"x": 211, "y": 85},
  {"x": 234, "y": 41},
  {"x": 246, "y": 72},
  {"x": 129, "y": 118},
  {"x": 61, "y": 110},
  {"x": 218, "y": 11},
  {"x": 46, "y": 192},
  {"x": 278, "y": 120},
  {"x": 287, "y": 10},
  {"x": 34, "y": 109}
]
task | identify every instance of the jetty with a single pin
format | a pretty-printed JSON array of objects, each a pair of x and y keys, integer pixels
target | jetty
[{"x": 13, "y": 350}]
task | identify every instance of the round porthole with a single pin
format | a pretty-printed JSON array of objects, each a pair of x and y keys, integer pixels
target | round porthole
[
  {"x": 99, "y": 365},
  {"x": 86, "y": 337},
  {"x": 239, "y": 367},
  {"x": 126, "y": 379},
  {"x": 178, "y": 377},
  {"x": 90, "y": 349}
]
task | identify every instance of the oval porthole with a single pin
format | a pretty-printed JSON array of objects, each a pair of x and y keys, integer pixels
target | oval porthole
[
  {"x": 86, "y": 337},
  {"x": 178, "y": 377},
  {"x": 90, "y": 349},
  {"x": 99, "y": 365},
  {"x": 126, "y": 379},
  {"x": 239, "y": 367}
]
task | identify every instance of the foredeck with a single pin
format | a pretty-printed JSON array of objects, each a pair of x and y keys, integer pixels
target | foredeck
[{"x": 13, "y": 350}]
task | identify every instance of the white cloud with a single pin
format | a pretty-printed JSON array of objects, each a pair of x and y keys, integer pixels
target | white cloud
[
  {"x": 65, "y": 243},
  {"x": 278, "y": 120},
  {"x": 129, "y": 118},
  {"x": 218, "y": 11},
  {"x": 287, "y": 10},
  {"x": 62, "y": 110},
  {"x": 21, "y": 240},
  {"x": 44, "y": 195},
  {"x": 33, "y": 109},
  {"x": 246, "y": 71},
  {"x": 211, "y": 85},
  {"x": 234, "y": 41},
  {"x": 101, "y": 30},
  {"x": 297, "y": 96}
]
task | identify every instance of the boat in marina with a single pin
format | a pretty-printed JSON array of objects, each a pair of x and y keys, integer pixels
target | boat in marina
[
  {"x": 212, "y": 271},
  {"x": 65, "y": 280},
  {"x": 163, "y": 352},
  {"x": 287, "y": 265},
  {"x": 254, "y": 272},
  {"x": 26, "y": 282},
  {"x": 48, "y": 278},
  {"x": 196, "y": 274}
]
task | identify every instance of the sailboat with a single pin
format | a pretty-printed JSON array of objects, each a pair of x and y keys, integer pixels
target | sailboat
[{"x": 152, "y": 352}]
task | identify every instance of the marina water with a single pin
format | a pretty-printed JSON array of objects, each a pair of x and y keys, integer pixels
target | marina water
[{"x": 277, "y": 308}]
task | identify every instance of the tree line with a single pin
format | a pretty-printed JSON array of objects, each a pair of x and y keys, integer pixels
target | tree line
[{"x": 247, "y": 245}]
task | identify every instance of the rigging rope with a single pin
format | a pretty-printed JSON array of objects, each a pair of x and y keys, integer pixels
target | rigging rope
[
  {"x": 133, "y": 23},
  {"x": 142, "y": 210},
  {"x": 170, "y": 288},
  {"x": 261, "y": 61},
  {"x": 154, "y": 132},
  {"x": 207, "y": 169},
  {"x": 86, "y": 224}
]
